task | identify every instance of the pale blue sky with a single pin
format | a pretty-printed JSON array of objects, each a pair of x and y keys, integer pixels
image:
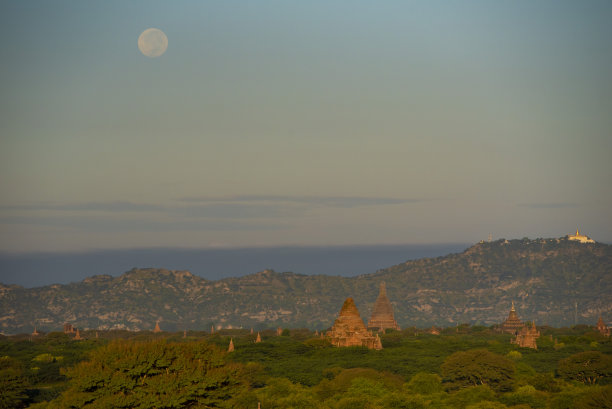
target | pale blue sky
[{"x": 303, "y": 123}]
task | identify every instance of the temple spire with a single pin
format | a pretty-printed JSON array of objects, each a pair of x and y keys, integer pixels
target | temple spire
[
  {"x": 231, "y": 346},
  {"x": 512, "y": 309},
  {"x": 382, "y": 314}
]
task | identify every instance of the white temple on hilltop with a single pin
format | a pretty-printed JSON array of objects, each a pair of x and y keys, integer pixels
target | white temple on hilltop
[{"x": 579, "y": 237}]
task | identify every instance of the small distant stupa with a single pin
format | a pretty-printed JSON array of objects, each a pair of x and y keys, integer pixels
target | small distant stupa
[
  {"x": 35, "y": 333},
  {"x": 231, "y": 346},
  {"x": 157, "y": 328},
  {"x": 348, "y": 329},
  {"x": 212, "y": 329},
  {"x": 526, "y": 336},
  {"x": 382, "y": 315},
  {"x": 512, "y": 323},
  {"x": 77, "y": 337},
  {"x": 279, "y": 331},
  {"x": 601, "y": 327},
  {"x": 579, "y": 237},
  {"x": 258, "y": 339}
]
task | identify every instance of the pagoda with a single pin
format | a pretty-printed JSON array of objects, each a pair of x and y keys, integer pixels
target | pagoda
[
  {"x": 526, "y": 336},
  {"x": 602, "y": 327},
  {"x": 382, "y": 315},
  {"x": 580, "y": 237},
  {"x": 230, "y": 348},
  {"x": 157, "y": 328},
  {"x": 512, "y": 323},
  {"x": 258, "y": 339},
  {"x": 348, "y": 329}
]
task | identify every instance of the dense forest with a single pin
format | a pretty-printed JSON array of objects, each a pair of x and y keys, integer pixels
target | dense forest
[{"x": 472, "y": 367}]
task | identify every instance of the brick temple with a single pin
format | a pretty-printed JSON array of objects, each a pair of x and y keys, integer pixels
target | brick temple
[
  {"x": 602, "y": 327},
  {"x": 512, "y": 324},
  {"x": 526, "y": 336},
  {"x": 349, "y": 329},
  {"x": 382, "y": 315}
]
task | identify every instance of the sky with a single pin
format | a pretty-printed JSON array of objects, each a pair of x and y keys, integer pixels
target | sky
[{"x": 305, "y": 123}]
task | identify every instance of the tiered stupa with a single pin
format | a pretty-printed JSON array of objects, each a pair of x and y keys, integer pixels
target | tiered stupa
[
  {"x": 512, "y": 323},
  {"x": 157, "y": 328},
  {"x": 526, "y": 336},
  {"x": 602, "y": 327},
  {"x": 77, "y": 336},
  {"x": 382, "y": 315},
  {"x": 258, "y": 339},
  {"x": 349, "y": 330}
]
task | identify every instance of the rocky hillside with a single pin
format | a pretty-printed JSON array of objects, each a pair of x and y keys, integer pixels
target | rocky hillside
[{"x": 552, "y": 281}]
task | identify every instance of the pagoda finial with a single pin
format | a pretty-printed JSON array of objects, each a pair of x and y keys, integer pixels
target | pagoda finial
[
  {"x": 577, "y": 232},
  {"x": 383, "y": 288},
  {"x": 512, "y": 309}
]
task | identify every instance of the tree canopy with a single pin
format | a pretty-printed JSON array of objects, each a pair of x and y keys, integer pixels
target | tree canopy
[
  {"x": 157, "y": 374},
  {"x": 477, "y": 367}
]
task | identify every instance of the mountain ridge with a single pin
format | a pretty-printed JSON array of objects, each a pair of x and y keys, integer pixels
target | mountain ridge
[{"x": 545, "y": 277}]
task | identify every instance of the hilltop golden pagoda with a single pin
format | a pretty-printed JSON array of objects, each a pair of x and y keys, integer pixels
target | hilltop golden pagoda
[{"x": 580, "y": 237}]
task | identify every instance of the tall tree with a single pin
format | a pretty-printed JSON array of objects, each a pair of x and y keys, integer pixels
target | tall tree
[
  {"x": 13, "y": 384},
  {"x": 588, "y": 367},
  {"x": 477, "y": 367},
  {"x": 128, "y": 374}
]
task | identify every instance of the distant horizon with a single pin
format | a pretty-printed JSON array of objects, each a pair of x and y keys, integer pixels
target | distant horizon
[
  {"x": 289, "y": 245},
  {"x": 45, "y": 268}
]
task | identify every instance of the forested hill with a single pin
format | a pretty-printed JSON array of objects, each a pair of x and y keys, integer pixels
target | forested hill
[{"x": 552, "y": 281}]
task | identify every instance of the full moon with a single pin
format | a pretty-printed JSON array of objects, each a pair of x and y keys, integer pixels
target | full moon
[{"x": 152, "y": 42}]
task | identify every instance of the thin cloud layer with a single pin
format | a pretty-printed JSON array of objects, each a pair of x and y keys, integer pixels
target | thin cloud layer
[
  {"x": 332, "y": 201},
  {"x": 557, "y": 205}
]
